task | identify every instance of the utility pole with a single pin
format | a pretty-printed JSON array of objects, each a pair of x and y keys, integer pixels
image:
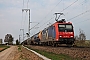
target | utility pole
[
  {"x": 19, "y": 39},
  {"x": 29, "y": 19},
  {"x": 23, "y": 33}
]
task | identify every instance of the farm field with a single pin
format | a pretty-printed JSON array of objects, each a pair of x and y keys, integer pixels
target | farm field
[{"x": 3, "y": 47}]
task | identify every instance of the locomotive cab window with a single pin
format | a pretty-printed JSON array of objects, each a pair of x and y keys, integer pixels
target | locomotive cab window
[
  {"x": 65, "y": 28},
  {"x": 68, "y": 26}
]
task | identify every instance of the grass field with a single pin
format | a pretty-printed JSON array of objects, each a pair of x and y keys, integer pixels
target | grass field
[{"x": 3, "y": 47}]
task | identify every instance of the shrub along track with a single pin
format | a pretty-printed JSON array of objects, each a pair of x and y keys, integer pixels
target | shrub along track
[{"x": 75, "y": 52}]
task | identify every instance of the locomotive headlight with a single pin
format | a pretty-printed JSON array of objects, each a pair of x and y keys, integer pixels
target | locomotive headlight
[
  {"x": 60, "y": 36},
  {"x": 71, "y": 32},
  {"x": 71, "y": 36},
  {"x": 57, "y": 39}
]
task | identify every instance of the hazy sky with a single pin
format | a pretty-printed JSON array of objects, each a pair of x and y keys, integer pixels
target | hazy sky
[{"x": 12, "y": 19}]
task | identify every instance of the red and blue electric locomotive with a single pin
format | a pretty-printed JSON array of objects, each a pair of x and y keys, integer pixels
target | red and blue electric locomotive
[{"x": 61, "y": 32}]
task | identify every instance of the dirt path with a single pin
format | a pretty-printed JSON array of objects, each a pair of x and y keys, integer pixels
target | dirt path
[
  {"x": 9, "y": 53},
  {"x": 13, "y": 53},
  {"x": 28, "y": 55}
]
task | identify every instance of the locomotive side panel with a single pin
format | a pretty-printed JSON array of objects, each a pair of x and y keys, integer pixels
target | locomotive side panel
[
  {"x": 50, "y": 32},
  {"x": 54, "y": 33}
]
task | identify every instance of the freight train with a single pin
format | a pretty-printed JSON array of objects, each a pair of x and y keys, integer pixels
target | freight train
[{"x": 61, "y": 32}]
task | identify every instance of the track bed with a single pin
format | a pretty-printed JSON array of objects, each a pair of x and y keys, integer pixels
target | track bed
[{"x": 75, "y": 52}]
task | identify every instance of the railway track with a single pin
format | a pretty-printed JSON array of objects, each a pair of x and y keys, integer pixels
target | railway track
[{"x": 75, "y": 52}]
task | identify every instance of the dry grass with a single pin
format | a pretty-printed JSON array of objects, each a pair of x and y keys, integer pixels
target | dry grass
[{"x": 83, "y": 43}]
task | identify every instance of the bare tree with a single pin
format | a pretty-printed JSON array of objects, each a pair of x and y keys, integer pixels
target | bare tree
[
  {"x": 82, "y": 35},
  {"x": 76, "y": 37}
]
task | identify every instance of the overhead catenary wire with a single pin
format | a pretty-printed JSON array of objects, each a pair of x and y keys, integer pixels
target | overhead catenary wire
[
  {"x": 69, "y": 5},
  {"x": 47, "y": 21},
  {"x": 79, "y": 15},
  {"x": 80, "y": 18},
  {"x": 55, "y": 7},
  {"x": 77, "y": 6},
  {"x": 41, "y": 25},
  {"x": 75, "y": 16},
  {"x": 82, "y": 21},
  {"x": 47, "y": 15},
  {"x": 34, "y": 26},
  {"x": 82, "y": 3},
  {"x": 61, "y": 11},
  {"x": 51, "y": 10}
]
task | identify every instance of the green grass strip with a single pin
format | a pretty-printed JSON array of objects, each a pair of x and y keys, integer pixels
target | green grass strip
[{"x": 54, "y": 56}]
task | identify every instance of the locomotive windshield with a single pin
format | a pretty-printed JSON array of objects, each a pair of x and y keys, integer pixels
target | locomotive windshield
[{"x": 65, "y": 28}]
